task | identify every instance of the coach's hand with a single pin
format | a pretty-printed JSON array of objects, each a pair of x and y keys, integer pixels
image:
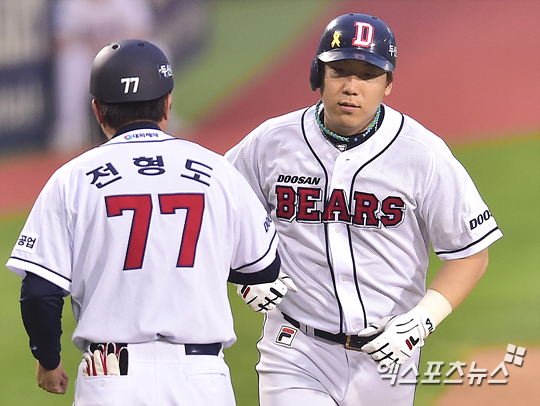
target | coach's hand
[
  {"x": 54, "y": 381},
  {"x": 266, "y": 296},
  {"x": 401, "y": 336}
]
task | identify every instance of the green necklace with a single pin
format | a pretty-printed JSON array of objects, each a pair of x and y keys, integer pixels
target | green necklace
[{"x": 332, "y": 134}]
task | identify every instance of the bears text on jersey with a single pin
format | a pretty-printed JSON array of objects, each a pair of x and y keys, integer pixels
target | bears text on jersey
[{"x": 365, "y": 210}]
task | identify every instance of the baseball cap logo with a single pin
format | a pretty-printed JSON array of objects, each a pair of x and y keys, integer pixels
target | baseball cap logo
[{"x": 165, "y": 70}]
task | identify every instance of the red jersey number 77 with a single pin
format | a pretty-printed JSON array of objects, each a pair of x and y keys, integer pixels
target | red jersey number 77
[{"x": 141, "y": 205}]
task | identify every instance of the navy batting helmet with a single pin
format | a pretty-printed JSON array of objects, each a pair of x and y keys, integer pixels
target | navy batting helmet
[
  {"x": 354, "y": 36},
  {"x": 130, "y": 70}
]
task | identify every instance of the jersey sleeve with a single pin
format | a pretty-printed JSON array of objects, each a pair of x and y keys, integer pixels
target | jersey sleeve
[
  {"x": 255, "y": 246},
  {"x": 460, "y": 223},
  {"x": 244, "y": 157},
  {"x": 44, "y": 244}
]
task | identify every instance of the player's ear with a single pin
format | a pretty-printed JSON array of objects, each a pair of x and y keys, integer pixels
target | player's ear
[
  {"x": 166, "y": 113},
  {"x": 168, "y": 106},
  {"x": 389, "y": 81},
  {"x": 388, "y": 89}
]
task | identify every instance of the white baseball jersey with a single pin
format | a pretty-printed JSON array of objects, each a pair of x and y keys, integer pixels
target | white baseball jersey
[
  {"x": 355, "y": 227},
  {"x": 143, "y": 232}
]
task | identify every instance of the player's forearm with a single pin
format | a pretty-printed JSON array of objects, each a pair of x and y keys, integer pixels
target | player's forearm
[
  {"x": 457, "y": 278},
  {"x": 41, "y": 309}
]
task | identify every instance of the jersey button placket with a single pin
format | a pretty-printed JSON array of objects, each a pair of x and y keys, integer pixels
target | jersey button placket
[{"x": 342, "y": 259}]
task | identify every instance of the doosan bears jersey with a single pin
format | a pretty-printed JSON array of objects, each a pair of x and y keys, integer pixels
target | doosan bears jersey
[
  {"x": 142, "y": 229},
  {"x": 359, "y": 223}
]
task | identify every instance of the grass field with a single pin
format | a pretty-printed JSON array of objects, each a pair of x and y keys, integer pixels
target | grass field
[
  {"x": 247, "y": 37},
  {"x": 505, "y": 306},
  {"x": 502, "y": 309}
]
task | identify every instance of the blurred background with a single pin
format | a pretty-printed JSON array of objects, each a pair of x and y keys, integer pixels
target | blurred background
[
  {"x": 465, "y": 67},
  {"x": 467, "y": 70},
  {"x": 46, "y": 52}
]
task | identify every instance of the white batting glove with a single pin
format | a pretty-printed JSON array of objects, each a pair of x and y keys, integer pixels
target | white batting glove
[
  {"x": 400, "y": 337},
  {"x": 266, "y": 296},
  {"x": 105, "y": 361},
  {"x": 375, "y": 329}
]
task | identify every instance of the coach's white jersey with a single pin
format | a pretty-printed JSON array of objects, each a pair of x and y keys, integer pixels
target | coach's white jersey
[
  {"x": 143, "y": 232},
  {"x": 355, "y": 227}
]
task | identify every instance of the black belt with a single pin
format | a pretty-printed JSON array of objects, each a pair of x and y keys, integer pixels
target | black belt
[
  {"x": 191, "y": 349},
  {"x": 351, "y": 342},
  {"x": 203, "y": 349}
]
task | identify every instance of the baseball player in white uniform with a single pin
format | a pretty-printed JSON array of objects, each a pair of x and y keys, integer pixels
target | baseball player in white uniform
[
  {"x": 143, "y": 232},
  {"x": 359, "y": 192}
]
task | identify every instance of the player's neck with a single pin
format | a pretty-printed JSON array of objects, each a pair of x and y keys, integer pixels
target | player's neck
[{"x": 344, "y": 143}]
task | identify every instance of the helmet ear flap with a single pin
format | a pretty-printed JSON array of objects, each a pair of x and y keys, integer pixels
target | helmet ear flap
[{"x": 316, "y": 74}]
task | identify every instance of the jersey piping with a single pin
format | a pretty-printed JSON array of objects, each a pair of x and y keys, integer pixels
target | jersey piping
[
  {"x": 349, "y": 227},
  {"x": 261, "y": 258},
  {"x": 357, "y": 286},
  {"x": 111, "y": 144},
  {"x": 40, "y": 266},
  {"x": 470, "y": 245},
  {"x": 332, "y": 273},
  {"x": 377, "y": 155}
]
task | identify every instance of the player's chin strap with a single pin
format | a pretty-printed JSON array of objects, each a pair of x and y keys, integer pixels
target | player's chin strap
[{"x": 400, "y": 336}]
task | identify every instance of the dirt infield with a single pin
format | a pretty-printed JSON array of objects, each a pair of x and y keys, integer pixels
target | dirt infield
[{"x": 23, "y": 176}]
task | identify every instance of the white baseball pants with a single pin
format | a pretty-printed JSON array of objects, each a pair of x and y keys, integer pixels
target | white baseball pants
[
  {"x": 313, "y": 371},
  {"x": 160, "y": 373}
]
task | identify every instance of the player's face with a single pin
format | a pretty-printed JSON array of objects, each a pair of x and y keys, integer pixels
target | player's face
[{"x": 351, "y": 91}]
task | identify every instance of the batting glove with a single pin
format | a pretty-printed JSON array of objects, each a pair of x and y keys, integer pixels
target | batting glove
[
  {"x": 400, "y": 336},
  {"x": 107, "y": 361},
  {"x": 266, "y": 296}
]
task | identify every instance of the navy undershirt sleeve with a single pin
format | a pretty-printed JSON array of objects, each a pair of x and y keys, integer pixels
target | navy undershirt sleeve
[
  {"x": 267, "y": 275},
  {"x": 41, "y": 308}
]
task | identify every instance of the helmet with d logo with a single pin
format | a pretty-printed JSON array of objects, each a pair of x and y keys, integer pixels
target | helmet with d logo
[{"x": 354, "y": 36}]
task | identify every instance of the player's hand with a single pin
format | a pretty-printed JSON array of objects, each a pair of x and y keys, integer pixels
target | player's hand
[
  {"x": 53, "y": 381},
  {"x": 376, "y": 329},
  {"x": 266, "y": 296},
  {"x": 400, "y": 337},
  {"x": 106, "y": 361}
]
